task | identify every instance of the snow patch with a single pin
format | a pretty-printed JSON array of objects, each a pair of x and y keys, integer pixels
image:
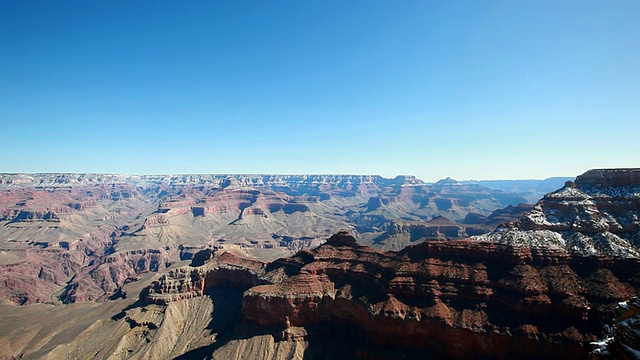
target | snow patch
[{"x": 624, "y": 305}]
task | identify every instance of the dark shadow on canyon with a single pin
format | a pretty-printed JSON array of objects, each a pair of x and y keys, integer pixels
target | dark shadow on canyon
[
  {"x": 335, "y": 339},
  {"x": 224, "y": 323}
]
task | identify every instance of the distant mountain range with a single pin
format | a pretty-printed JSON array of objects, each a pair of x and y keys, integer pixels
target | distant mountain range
[{"x": 532, "y": 190}]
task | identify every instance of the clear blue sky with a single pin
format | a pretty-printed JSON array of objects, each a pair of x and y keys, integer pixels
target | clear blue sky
[{"x": 467, "y": 89}]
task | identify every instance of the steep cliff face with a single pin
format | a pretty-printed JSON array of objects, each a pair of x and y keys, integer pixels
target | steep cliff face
[
  {"x": 609, "y": 178},
  {"x": 205, "y": 273},
  {"x": 37, "y": 274},
  {"x": 59, "y": 275},
  {"x": 476, "y": 299},
  {"x": 455, "y": 299},
  {"x": 103, "y": 280},
  {"x": 599, "y": 213}
]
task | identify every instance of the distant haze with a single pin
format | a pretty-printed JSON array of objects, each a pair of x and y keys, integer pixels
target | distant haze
[{"x": 470, "y": 90}]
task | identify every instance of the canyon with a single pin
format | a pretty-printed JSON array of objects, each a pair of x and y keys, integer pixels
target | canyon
[
  {"x": 78, "y": 237},
  {"x": 389, "y": 268},
  {"x": 438, "y": 299}
]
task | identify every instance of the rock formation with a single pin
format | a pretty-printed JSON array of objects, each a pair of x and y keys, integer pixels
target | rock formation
[
  {"x": 543, "y": 286},
  {"x": 453, "y": 299},
  {"x": 403, "y": 233},
  {"x": 107, "y": 228},
  {"x": 599, "y": 213},
  {"x": 625, "y": 344}
]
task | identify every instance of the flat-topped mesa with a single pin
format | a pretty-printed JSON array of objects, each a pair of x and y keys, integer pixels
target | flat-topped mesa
[
  {"x": 342, "y": 238},
  {"x": 178, "y": 284},
  {"x": 599, "y": 178}
]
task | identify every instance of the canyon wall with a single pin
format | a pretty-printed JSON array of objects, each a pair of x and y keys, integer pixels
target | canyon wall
[{"x": 452, "y": 299}]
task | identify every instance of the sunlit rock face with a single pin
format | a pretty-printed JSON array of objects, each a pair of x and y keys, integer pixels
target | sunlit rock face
[
  {"x": 599, "y": 213},
  {"x": 76, "y": 237},
  {"x": 440, "y": 299},
  {"x": 519, "y": 292}
]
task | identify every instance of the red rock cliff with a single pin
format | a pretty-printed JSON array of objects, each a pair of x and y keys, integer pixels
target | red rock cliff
[{"x": 456, "y": 299}]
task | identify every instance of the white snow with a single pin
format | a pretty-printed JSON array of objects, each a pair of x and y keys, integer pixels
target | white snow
[
  {"x": 623, "y": 305},
  {"x": 601, "y": 346}
]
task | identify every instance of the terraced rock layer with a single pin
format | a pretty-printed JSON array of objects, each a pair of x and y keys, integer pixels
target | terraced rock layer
[
  {"x": 599, "y": 213},
  {"x": 456, "y": 299},
  {"x": 75, "y": 237}
]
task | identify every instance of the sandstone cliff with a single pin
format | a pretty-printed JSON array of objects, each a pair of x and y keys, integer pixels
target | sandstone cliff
[{"x": 455, "y": 299}]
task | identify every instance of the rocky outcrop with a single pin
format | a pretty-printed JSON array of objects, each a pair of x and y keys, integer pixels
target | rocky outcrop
[
  {"x": 454, "y": 299},
  {"x": 599, "y": 213},
  {"x": 225, "y": 270},
  {"x": 179, "y": 284},
  {"x": 609, "y": 178},
  {"x": 155, "y": 220},
  {"x": 625, "y": 344},
  {"x": 456, "y": 293},
  {"x": 30, "y": 216}
]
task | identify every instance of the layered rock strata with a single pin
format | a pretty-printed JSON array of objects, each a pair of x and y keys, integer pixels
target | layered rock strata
[
  {"x": 226, "y": 270},
  {"x": 456, "y": 299},
  {"x": 599, "y": 213},
  {"x": 403, "y": 233},
  {"x": 108, "y": 227}
]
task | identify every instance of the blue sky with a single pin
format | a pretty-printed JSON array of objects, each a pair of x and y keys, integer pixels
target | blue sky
[{"x": 467, "y": 89}]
